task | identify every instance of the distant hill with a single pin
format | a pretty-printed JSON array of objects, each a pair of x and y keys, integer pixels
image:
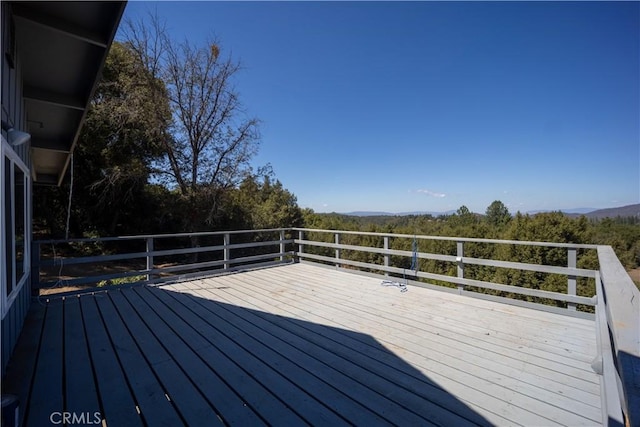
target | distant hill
[
  {"x": 573, "y": 211},
  {"x": 379, "y": 213},
  {"x": 623, "y": 211},
  {"x": 591, "y": 213}
]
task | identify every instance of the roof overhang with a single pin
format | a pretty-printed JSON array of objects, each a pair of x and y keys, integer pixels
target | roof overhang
[{"x": 62, "y": 47}]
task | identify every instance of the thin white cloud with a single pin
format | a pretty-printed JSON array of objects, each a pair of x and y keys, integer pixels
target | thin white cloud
[{"x": 431, "y": 193}]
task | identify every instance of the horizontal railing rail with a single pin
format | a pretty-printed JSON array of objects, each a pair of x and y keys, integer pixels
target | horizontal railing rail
[{"x": 451, "y": 239}]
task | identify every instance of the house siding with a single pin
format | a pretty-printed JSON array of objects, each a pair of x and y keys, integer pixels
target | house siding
[
  {"x": 13, "y": 112},
  {"x": 13, "y": 321}
]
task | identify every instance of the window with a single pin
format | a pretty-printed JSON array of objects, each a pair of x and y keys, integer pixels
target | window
[
  {"x": 14, "y": 242},
  {"x": 19, "y": 222},
  {"x": 8, "y": 225}
]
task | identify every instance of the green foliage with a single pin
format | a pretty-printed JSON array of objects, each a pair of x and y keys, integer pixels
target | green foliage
[
  {"x": 120, "y": 281},
  {"x": 497, "y": 214},
  {"x": 260, "y": 203}
]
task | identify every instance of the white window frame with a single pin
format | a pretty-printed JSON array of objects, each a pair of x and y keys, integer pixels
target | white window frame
[{"x": 6, "y": 301}]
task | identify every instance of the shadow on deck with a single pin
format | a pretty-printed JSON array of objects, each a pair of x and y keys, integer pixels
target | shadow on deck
[{"x": 154, "y": 356}]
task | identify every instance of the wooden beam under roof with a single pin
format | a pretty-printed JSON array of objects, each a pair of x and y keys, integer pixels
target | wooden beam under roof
[
  {"x": 58, "y": 24},
  {"x": 51, "y": 144},
  {"x": 60, "y": 99}
]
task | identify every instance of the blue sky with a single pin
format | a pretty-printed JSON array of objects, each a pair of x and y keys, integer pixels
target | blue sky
[{"x": 409, "y": 106}]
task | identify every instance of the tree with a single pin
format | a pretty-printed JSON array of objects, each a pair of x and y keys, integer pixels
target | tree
[
  {"x": 209, "y": 142},
  {"x": 497, "y": 214},
  {"x": 261, "y": 202},
  {"x": 116, "y": 149}
]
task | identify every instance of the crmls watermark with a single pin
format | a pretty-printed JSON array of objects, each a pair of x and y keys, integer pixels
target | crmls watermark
[{"x": 70, "y": 418}]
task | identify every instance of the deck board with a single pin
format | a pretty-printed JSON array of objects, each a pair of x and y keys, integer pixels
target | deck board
[
  {"x": 193, "y": 407},
  {"x": 47, "y": 393},
  {"x": 221, "y": 396},
  {"x": 118, "y": 405},
  {"x": 255, "y": 394},
  {"x": 148, "y": 392},
  {"x": 303, "y": 344},
  {"x": 78, "y": 371}
]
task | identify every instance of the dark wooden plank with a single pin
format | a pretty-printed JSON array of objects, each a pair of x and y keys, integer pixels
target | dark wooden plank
[
  {"x": 341, "y": 400},
  {"x": 150, "y": 395},
  {"x": 22, "y": 364},
  {"x": 118, "y": 404},
  {"x": 263, "y": 388},
  {"x": 80, "y": 388},
  {"x": 189, "y": 402},
  {"x": 47, "y": 394},
  {"x": 222, "y": 398}
]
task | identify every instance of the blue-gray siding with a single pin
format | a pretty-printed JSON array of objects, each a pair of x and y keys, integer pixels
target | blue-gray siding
[
  {"x": 13, "y": 113},
  {"x": 13, "y": 321}
]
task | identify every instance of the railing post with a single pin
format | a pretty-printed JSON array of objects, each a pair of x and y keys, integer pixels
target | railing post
[
  {"x": 149, "y": 257},
  {"x": 282, "y": 248},
  {"x": 35, "y": 268},
  {"x": 459, "y": 255},
  {"x": 572, "y": 257},
  {"x": 386, "y": 256},
  {"x": 337, "y": 250},
  {"x": 226, "y": 251},
  {"x": 300, "y": 245}
]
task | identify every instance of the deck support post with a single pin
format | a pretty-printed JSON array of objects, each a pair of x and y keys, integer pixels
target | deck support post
[
  {"x": 572, "y": 257},
  {"x": 282, "y": 246},
  {"x": 226, "y": 251},
  {"x": 459, "y": 255},
  {"x": 149, "y": 257},
  {"x": 386, "y": 256},
  {"x": 337, "y": 250},
  {"x": 300, "y": 245}
]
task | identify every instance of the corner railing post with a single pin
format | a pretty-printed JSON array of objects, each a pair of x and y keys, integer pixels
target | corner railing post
[
  {"x": 300, "y": 245},
  {"x": 226, "y": 251},
  {"x": 282, "y": 248},
  {"x": 387, "y": 257},
  {"x": 35, "y": 268},
  {"x": 572, "y": 257},
  {"x": 459, "y": 260},
  {"x": 337, "y": 250},
  {"x": 149, "y": 258}
]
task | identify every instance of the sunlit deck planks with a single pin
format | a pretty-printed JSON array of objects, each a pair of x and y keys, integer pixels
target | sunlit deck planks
[{"x": 304, "y": 344}]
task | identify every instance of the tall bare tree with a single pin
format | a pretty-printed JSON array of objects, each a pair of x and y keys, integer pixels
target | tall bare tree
[{"x": 210, "y": 140}]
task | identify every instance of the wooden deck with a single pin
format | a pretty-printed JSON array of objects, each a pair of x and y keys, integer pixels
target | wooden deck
[{"x": 302, "y": 344}]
